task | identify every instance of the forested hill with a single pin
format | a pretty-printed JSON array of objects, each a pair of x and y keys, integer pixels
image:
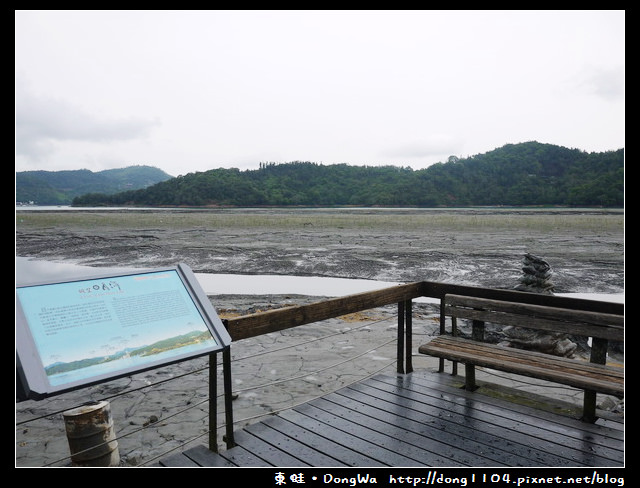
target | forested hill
[
  {"x": 529, "y": 173},
  {"x": 61, "y": 187}
]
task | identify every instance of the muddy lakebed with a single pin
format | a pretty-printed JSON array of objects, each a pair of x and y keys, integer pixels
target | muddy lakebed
[{"x": 477, "y": 247}]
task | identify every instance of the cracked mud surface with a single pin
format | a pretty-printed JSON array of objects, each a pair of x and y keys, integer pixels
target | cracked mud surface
[{"x": 471, "y": 247}]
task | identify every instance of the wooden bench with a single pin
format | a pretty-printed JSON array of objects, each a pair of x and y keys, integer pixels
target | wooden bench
[{"x": 593, "y": 376}]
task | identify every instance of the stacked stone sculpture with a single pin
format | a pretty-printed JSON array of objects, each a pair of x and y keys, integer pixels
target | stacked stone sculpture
[
  {"x": 536, "y": 275},
  {"x": 536, "y": 279}
]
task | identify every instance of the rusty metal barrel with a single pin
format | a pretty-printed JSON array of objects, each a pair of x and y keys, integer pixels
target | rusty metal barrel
[{"x": 91, "y": 436}]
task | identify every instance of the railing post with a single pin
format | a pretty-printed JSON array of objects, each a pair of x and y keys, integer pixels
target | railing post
[
  {"x": 228, "y": 396},
  {"x": 442, "y": 331},
  {"x": 409, "y": 336},
  {"x": 599, "y": 348},
  {"x": 400, "y": 342},
  {"x": 213, "y": 399}
]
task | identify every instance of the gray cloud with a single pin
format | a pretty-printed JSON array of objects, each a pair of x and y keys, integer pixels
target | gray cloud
[
  {"x": 429, "y": 147},
  {"x": 607, "y": 83},
  {"x": 232, "y": 89},
  {"x": 41, "y": 122}
]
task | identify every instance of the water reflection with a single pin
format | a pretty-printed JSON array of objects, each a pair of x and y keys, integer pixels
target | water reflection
[{"x": 29, "y": 271}]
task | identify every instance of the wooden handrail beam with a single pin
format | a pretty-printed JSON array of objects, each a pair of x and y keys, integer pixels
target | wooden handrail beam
[
  {"x": 260, "y": 323},
  {"x": 284, "y": 318}
]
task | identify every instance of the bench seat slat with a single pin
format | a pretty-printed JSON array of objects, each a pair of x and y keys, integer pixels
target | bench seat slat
[
  {"x": 523, "y": 356},
  {"x": 571, "y": 372}
]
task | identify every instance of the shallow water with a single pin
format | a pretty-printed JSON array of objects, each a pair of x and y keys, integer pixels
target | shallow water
[{"x": 31, "y": 271}]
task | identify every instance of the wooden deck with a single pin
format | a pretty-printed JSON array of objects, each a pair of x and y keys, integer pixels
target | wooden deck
[{"x": 418, "y": 419}]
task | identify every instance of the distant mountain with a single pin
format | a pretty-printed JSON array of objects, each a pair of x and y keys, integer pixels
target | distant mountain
[
  {"x": 525, "y": 174},
  {"x": 61, "y": 187}
]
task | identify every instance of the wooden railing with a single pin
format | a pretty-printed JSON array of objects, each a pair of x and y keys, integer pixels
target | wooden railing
[{"x": 260, "y": 323}]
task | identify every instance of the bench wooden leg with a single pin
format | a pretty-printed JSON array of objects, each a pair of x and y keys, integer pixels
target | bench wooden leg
[
  {"x": 470, "y": 377},
  {"x": 589, "y": 407}
]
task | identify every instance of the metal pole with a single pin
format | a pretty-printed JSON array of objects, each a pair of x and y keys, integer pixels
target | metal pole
[
  {"x": 400, "y": 353},
  {"x": 408, "y": 334},
  {"x": 213, "y": 402},
  {"x": 442, "y": 331},
  {"x": 228, "y": 397}
]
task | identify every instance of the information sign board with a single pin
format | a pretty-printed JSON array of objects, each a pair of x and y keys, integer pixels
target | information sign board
[{"x": 76, "y": 333}]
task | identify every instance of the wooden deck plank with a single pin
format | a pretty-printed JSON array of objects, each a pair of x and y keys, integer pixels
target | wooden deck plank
[
  {"x": 569, "y": 425},
  {"x": 443, "y": 438},
  {"x": 240, "y": 456},
  {"x": 178, "y": 460},
  {"x": 488, "y": 427},
  {"x": 286, "y": 439},
  {"x": 514, "y": 423},
  {"x": 414, "y": 441},
  {"x": 419, "y": 419},
  {"x": 390, "y": 445},
  {"x": 202, "y": 456},
  {"x": 373, "y": 446},
  {"x": 340, "y": 454},
  {"x": 535, "y": 423},
  {"x": 271, "y": 454}
]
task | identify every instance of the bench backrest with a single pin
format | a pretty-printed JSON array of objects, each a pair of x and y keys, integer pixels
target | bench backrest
[{"x": 574, "y": 322}]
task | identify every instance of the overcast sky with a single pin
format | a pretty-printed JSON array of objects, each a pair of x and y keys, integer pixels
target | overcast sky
[{"x": 190, "y": 91}]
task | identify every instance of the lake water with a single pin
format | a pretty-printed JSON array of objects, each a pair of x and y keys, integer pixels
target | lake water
[{"x": 30, "y": 271}]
